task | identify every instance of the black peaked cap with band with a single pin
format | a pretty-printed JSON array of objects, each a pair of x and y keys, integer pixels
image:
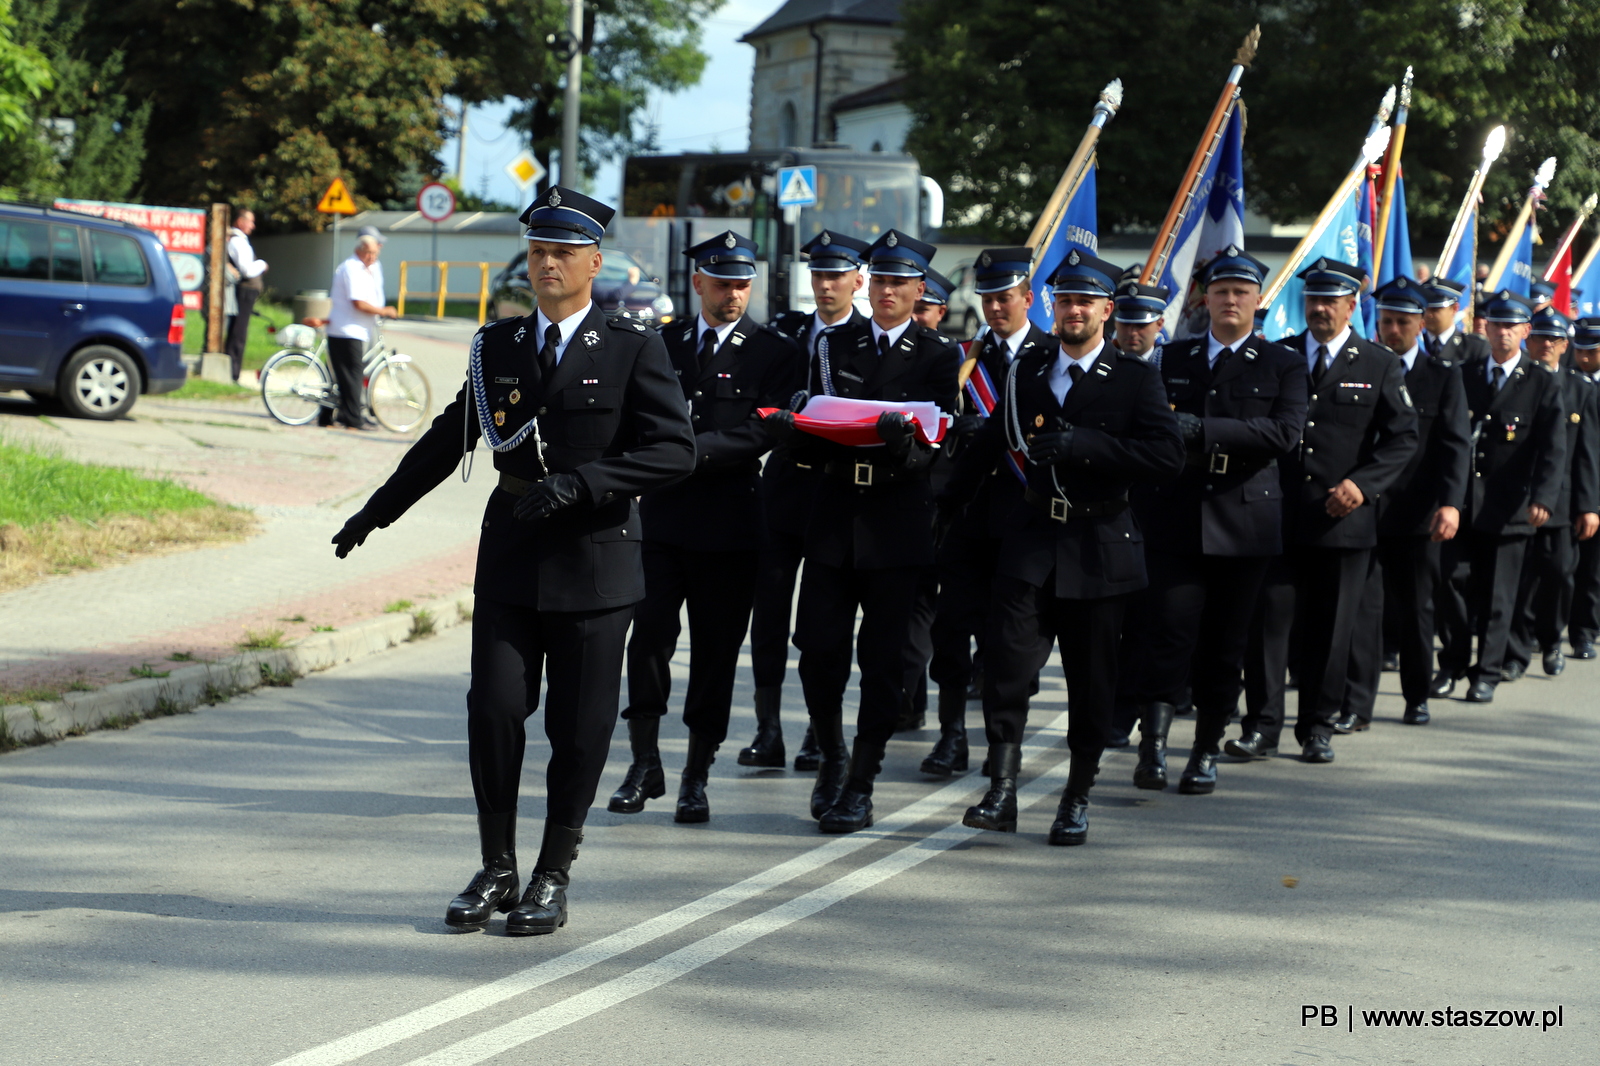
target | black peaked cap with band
[
  {"x": 1329, "y": 277},
  {"x": 896, "y": 255},
  {"x": 938, "y": 289},
  {"x": 562, "y": 216},
  {"x": 1548, "y": 322},
  {"x": 1085, "y": 275},
  {"x": 1402, "y": 295},
  {"x": 729, "y": 255},
  {"x": 834, "y": 253},
  {"x": 1232, "y": 263},
  {"x": 1507, "y": 308},
  {"x": 999, "y": 269},
  {"x": 1443, "y": 292}
]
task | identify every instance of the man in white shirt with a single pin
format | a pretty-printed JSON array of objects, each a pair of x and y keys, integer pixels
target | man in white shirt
[
  {"x": 357, "y": 304},
  {"x": 248, "y": 289}
]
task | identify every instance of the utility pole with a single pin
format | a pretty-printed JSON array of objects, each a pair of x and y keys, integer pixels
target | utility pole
[
  {"x": 569, "y": 106},
  {"x": 461, "y": 150}
]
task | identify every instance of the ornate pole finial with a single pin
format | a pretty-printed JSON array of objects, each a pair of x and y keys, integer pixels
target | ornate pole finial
[{"x": 1247, "y": 51}]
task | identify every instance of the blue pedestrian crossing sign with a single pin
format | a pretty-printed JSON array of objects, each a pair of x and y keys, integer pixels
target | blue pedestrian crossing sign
[{"x": 797, "y": 186}]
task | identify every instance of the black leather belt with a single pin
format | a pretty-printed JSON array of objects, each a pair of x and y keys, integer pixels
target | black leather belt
[
  {"x": 1210, "y": 462},
  {"x": 864, "y": 474},
  {"x": 515, "y": 485},
  {"x": 1061, "y": 510}
]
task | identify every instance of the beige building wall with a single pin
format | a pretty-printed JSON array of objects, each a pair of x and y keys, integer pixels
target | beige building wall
[{"x": 783, "y": 88}]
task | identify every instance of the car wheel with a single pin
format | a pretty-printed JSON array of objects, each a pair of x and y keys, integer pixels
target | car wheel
[
  {"x": 99, "y": 382},
  {"x": 969, "y": 325}
]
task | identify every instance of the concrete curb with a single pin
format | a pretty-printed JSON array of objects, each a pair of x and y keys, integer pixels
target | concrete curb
[{"x": 206, "y": 683}]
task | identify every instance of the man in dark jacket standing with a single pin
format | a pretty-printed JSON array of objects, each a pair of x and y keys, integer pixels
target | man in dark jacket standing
[
  {"x": 1584, "y": 618},
  {"x": 1086, "y": 422},
  {"x": 1419, "y": 514},
  {"x": 1359, "y": 435},
  {"x": 583, "y": 414},
  {"x": 702, "y": 535},
  {"x": 1240, "y": 403}
]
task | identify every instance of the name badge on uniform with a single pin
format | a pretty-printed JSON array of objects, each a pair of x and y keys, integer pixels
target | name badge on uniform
[{"x": 508, "y": 381}]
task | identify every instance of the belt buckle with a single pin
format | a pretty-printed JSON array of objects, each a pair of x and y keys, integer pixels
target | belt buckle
[
  {"x": 1060, "y": 510},
  {"x": 1213, "y": 467},
  {"x": 863, "y": 474}
]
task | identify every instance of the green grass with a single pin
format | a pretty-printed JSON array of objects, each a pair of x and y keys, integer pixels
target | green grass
[
  {"x": 201, "y": 389},
  {"x": 260, "y": 639},
  {"x": 398, "y": 607},
  {"x": 259, "y": 348},
  {"x": 422, "y": 625},
  {"x": 181, "y": 657},
  {"x": 146, "y": 670},
  {"x": 452, "y": 308},
  {"x": 41, "y": 489}
]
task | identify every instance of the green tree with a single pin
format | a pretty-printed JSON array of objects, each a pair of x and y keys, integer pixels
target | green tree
[{"x": 24, "y": 77}]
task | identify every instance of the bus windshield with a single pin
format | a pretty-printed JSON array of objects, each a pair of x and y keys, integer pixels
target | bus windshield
[{"x": 863, "y": 200}]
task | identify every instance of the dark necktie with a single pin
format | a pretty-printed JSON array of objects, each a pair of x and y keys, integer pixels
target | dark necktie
[
  {"x": 708, "y": 348},
  {"x": 1433, "y": 346},
  {"x": 883, "y": 345},
  {"x": 1322, "y": 360},
  {"x": 1497, "y": 377},
  {"x": 547, "y": 354},
  {"x": 1074, "y": 372},
  {"x": 1222, "y": 360}
]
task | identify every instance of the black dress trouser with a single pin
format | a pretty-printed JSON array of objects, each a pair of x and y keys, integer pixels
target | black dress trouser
[
  {"x": 239, "y": 328},
  {"x": 580, "y": 652},
  {"x": 829, "y": 597},
  {"x": 1024, "y": 623},
  {"x": 966, "y": 577},
  {"x": 1400, "y": 586},
  {"x": 346, "y": 354},
  {"x": 719, "y": 588},
  {"x": 1583, "y": 620},
  {"x": 1544, "y": 592},
  {"x": 1496, "y": 570},
  {"x": 776, "y": 569}
]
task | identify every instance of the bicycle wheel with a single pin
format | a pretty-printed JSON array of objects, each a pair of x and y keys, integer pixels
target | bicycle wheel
[
  {"x": 399, "y": 396},
  {"x": 294, "y": 386}
]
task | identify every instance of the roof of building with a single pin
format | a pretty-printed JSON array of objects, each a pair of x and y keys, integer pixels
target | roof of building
[
  {"x": 804, "y": 12},
  {"x": 888, "y": 92}
]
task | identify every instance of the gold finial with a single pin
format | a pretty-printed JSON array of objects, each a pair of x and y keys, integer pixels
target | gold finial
[{"x": 1247, "y": 51}]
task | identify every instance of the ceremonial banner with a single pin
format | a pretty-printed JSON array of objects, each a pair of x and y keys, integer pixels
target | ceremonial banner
[
  {"x": 1080, "y": 228},
  {"x": 1586, "y": 290},
  {"x": 854, "y": 422},
  {"x": 1206, "y": 232},
  {"x": 1368, "y": 208},
  {"x": 1560, "y": 272},
  {"x": 1519, "y": 274},
  {"x": 1397, "y": 244},
  {"x": 1464, "y": 265},
  {"x": 1340, "y": 240}
]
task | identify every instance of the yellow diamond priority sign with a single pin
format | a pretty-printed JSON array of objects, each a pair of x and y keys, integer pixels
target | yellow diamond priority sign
[
  {"x": 337, "y": 200},
  {"x": 525, "y": 170}
]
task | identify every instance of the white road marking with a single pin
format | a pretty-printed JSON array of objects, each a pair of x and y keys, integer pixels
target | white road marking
[
  {"x": 413, "y": 1023},
  {"x": 691, "y": 957}
]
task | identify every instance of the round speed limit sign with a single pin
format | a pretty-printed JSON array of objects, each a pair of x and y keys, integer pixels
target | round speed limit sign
[{"x": 435, "y": 202}]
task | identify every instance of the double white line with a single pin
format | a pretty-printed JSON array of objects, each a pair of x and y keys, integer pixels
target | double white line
[{"x": 670, "y": 967}]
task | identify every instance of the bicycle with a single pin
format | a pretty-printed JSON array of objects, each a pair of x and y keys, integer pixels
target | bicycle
[{"x": 296, "y": 383}]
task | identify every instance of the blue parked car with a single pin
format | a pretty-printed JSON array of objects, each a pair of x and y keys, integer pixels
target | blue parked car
[{"x": 90, "y": 311}]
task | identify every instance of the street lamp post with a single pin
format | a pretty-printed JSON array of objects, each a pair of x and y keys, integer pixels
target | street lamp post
[{"x": 569, "y": 107}]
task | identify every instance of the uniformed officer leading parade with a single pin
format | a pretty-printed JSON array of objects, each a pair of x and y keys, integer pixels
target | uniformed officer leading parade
[{"x": 583, "y": 414}]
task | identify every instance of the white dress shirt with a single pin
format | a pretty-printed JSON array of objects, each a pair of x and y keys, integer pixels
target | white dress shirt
[
  {"x": 1508, "y": 366},
  {"x": 1410, "y": 358},
  {"x": 722, "y": 331},
  {"x": 1061, "y": 376},
  {"x": 1335, "y": 346},
  {"x": 568, "y": 326},
  {"x": 244, "y": 256},
  {"x": 1214, "y": 347},
  {"x": 1013, "y": 344},
  {"x": 894, "y": 334}
]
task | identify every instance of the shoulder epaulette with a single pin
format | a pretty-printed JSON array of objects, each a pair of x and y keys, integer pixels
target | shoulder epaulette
[{"x": 626, "y": 322}]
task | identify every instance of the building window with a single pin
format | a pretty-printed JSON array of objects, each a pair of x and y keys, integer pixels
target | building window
[{"x": 788, "y": 126}]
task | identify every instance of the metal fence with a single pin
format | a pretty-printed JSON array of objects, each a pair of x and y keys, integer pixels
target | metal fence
[{"x": 441, "y": 271}]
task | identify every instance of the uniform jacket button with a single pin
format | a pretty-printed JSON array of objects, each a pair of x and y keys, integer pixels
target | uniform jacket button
[
  {"x": 697, "y": 392},
  {"x": 1310, "y": 424},
  {"x": 542, "y": 410},
  {"x": 590, "y": 400}
]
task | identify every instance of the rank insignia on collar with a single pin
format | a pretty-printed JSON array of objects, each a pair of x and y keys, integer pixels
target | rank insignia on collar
[
  {"x": 499, "y": 418},
  {"x": 522, "y": 331},
  {"x": 737, "y": 338},
  {"x": 516, "y": 396},
  {"x": 1038, "y": 421},
  {"x": 591, "y": 339}
]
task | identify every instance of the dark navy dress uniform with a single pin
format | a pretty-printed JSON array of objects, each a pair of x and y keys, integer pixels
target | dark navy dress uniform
[
  {"x": 702, "y": 535},
  {"x": 1518, "y": 454},
  {"x": 1075, "y": 552},
  {"x": 1583, "y": 621},
  {"x": 1360, "y": 426},
  {"x": 1406, "y": 570},
  {"x": 1211, "y": 533},
  {"x": 554, "y": 594}
]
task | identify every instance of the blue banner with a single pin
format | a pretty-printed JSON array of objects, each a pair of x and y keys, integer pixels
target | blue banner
[
  {"x": 1080, "y": 228},
  {"x": 1341, "y": 240},
  {"x": 1464, "y": 267},
  {"x": 1216, "y": 221},
  {"x": 1586, "y": 291},
  {"x": 1397, "y": 239},
  {"x": 1519, "y": 272}
]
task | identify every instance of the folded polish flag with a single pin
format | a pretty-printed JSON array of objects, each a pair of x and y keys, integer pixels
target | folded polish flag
[{"x": 854, "y": 422}]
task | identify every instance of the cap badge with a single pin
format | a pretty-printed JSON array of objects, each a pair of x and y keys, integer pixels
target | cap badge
[
  {"x": 1320, "y": 264},
  {"x": 1074, "y": 258},
  {"x": 1232, "y": 251},
  {"x": 1401, "y": 283},
  {"x": 1505, "y": 294},
  {"x": 555, "y": 198},
  {"x": 730, "y": 241},
  {"x": 987, "y": 259},
  {"x": 826, "y": 238},
  {"x": 893, "y": 240}
]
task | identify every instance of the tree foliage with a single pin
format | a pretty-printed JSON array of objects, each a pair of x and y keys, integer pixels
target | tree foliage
[
  {"x": 24, "y": 77},
  {"x": 1002, "y": 90}
]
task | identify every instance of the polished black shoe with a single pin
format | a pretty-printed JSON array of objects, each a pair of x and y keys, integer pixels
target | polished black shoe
[
  {"x": 1251, "y": 746},
  {"x": 1583, "y": 649},
  {"x": 645, "y": 780},
  {"x": 852, "y": 811},
  {"x": 544, "y": 905},
  {"x": 1481, "y": 692},
  {"x": 766, "y": 750},
  {"x": 1200, "y": 776},
  {"x": 1155, "y": 719},
  {"x": 495, "y": 886},
  {"x": 1391, "y": 663},
  {"x": 1416, "y": 714},
  {"x": 1071, "y": 826},
  {"x": 1351, "y": 723},
  {"x": 997, "y": 811},
  {"x": 949, "y": 755},
  {"x": 1554, "y": 661},
  {"x": 1511, "y": 671},
  {"x": 809, "y": 757},
  {"x": 1444, "y": 683},
  {"x": 1317, "y": 749},
  {"x": 692, "y": 803}
]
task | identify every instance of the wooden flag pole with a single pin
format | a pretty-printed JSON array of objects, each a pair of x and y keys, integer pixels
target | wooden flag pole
[
  {"x": 1183, "y": 202},
  {"x": 1572, "y": 231},
  {"x": 1391, "y": 172},
  {"x": 1547, "y": 172},
  {"x": 1492, "y": 146}
]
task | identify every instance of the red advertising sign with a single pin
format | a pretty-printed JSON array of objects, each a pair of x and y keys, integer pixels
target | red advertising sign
[{"x": 181, "y": 230}]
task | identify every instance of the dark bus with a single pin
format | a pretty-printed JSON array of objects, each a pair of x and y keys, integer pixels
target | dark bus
[{"x": 672, "y": 202}]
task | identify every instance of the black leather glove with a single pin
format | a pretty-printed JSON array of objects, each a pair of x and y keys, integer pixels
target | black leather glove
[
  {"x": 1193, "y": 430},
  {"x": 354, "y": 533},
  {"x": 780, "y": 426},
  {"x": 1047, "y": 449},
  {"x": 966, "y": 425},
  {"x": 545, "y": 498},
  {"x": 895, "y": 429}
]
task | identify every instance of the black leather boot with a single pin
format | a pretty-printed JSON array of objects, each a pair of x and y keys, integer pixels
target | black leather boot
[
  {"x": 692, "y": 803},
  {"x": 544, "y": 905},
  {"x": 949, "y": 755},
  {"x": 1072, "y": 816},
  {"x": 495, "y": 886},
  {"x": 997, "y": 811},
  {"x": 645, "y": 779},
  {"x": 1155, "y": 719},
  {"x": 1200, "y": 776},
  {"x": 912, "y": 717},
  {"x": 767, "y": 748},
  {"x": 809, "y": 757},
  {"x": 853, "y": 809},
  {"x": 833, "y": 763}
]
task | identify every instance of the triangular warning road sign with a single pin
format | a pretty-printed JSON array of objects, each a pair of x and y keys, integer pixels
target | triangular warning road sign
[
  {"x": 337, "y": 200},
  {"x": 797, "y": 190}
]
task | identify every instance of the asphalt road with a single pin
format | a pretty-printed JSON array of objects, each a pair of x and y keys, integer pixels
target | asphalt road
[{"x": 263, "y": 882}]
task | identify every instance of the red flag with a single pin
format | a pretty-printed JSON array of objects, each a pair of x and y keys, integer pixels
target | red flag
[{"x": 1560, "y": 272}]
